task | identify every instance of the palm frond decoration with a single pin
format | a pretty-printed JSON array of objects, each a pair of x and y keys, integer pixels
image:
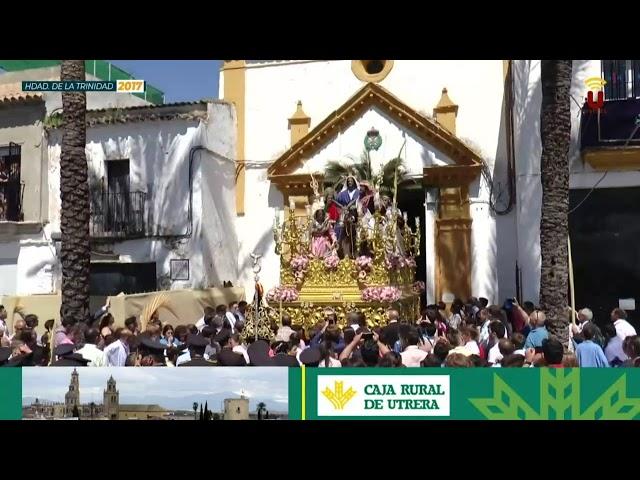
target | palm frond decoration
[
  {"x": 337, "y": 171},
  {"x": 155, "y": 304}
]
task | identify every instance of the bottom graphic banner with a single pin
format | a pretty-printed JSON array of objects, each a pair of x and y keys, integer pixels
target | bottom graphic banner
[{"x": 464, "y": 394}]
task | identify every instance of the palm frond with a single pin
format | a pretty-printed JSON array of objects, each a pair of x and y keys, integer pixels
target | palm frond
[{"x": 335, "y": 171}]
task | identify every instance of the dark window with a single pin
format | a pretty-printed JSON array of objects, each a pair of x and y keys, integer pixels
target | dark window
[
  {"x": 373, "y": 67},
  {"x": 118, "y": 201},
  {"x": 117, "y": 212},
  {"x": 622, "y": 77},
  {"x": 10, "y": 186},
  {"x": 604, "y": 245},
  {"x": 113, "y": 278}
]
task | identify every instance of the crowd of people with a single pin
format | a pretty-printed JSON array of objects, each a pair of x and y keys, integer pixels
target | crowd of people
[{"x": 471, "y": 334}]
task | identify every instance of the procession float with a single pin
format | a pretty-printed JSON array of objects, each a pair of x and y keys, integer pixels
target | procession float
[{"x": 352, "y": 250}]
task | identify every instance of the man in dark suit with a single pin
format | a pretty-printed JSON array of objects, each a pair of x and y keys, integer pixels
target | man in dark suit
[
  {"x": 197, "y": 345},
  {"x": 389, "y": 334}
]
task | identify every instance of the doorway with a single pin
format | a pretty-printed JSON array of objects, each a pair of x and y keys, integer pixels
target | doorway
[{"x": 605, "y": 250}]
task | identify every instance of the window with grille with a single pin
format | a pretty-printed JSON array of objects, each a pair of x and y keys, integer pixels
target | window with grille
[
  {"x": 623, "y": 79},
  {"x": 10, "y": 185}
]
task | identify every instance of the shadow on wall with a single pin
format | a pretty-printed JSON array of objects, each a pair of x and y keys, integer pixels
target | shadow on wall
[
  {"x": 528, "y": 149},
  {"x": 581, "y": 71}
]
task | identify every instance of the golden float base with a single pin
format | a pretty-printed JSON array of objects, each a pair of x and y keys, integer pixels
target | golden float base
[{"x": 309, "y": 313}]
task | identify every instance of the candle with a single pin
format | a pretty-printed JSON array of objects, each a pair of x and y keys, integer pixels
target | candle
[
  {"x": 404, "y": 215},
  {"x": 292, "y": 204},
  {"x": 308, "y": 209},
  {"x": 417, "y": 222}
]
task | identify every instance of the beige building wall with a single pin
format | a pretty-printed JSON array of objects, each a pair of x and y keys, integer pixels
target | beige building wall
[{"x": 236, "y": 409}]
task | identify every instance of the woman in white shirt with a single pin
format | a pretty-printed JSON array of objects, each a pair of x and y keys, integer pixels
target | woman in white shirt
[
  {"x": 457, "y": 309},
  {"x": 328, "y": 356}
]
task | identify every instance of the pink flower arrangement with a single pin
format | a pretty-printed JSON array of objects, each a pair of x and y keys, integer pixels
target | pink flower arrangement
[
  {"x": 418, "y": 287},
  {"x": 381, "y": 294},
  {"x": 299, "y": 263},
  {"x": 331, "y": 262},
  {"x": 410, "y": 262},
  {"x": 394, "y": 262},
  {"x": 364, "y": 263},
  {"x": 282, "y": 294}
]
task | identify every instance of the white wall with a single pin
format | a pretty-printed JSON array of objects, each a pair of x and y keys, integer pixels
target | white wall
[
  {"x": 528, "y": 97},
  {"x": 158, "y": 152},
  {"x": 272, "y": 91}
]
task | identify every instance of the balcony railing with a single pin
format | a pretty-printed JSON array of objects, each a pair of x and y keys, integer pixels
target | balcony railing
[
  {"x": 118, "y": 215},
  {"x": 623, "y": 79}
]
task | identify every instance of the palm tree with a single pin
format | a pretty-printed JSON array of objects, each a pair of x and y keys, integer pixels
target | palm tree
[
  {"x": 75, "y": 252},
  {"x": 555, "y": 133},
  {"x": 195, "y": 410},
  {"x": 336, "y": 171},
  {"x": 262, "y": 407}
]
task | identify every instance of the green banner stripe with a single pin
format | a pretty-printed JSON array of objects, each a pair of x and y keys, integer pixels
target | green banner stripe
[{"x": 10, "y": 393}]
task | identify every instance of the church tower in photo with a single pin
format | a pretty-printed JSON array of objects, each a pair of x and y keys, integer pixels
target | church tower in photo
[
  {"x": 72, "y": 397},
  {"x": 111, "y": 399}
]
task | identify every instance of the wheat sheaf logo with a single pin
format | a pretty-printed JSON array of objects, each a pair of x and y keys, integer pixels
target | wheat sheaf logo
[
  {"x": 338, "y": 397},
  {"x": 560, "y": 399}
]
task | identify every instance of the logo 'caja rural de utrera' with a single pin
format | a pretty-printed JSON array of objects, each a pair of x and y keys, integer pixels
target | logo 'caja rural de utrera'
[{"x": 383, "y": 395}]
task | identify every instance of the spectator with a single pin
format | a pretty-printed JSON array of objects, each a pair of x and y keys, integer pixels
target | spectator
[
  {"x": 513, "y": 360},
  {"x": 569, "y": 360},
  {"x": 623, "y": 328},
  {"x": 168, "y": 339},
  {"x": 518, "y": 340},
  {"x": 590, "y": 354},
  {"x": 389, "y": 334},
  {"x": 106, "y": 325},
  {"x": 505, "y": 347},
  {"x": 538, "y": 331},
  {"x": 285, "y": 331},
  {"x": 391, "y": 360},
  {"x": 498, "y": 331},
  {"x": 131, "y": 324},
  {"x": 457, "y": 308},
  {"x": 90, "y": 351},
  {"x": 117, "y": 349},
  {"x": 470, "y": 339},
  {"x": 613, "y": 350},
  {"x": 457, "y": 360},
  {"x": 551, "y": 355},
  {"x": 412, "y": 356}
]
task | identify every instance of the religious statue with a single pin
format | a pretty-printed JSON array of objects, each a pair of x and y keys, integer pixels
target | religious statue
[
  {"x": 322, "y": 236},
  {"x": 350, "y": 192},
  {"x": 349, "y": 241}
]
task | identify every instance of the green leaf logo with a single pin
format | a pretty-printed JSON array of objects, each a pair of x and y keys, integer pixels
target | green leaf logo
[{"x": 560, "y": 399}]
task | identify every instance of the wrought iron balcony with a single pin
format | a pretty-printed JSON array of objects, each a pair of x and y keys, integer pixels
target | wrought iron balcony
[{"x": 118, "y": 215}]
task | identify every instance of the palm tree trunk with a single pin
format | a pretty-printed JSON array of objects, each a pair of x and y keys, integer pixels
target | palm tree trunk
[
  {"x": 555, "y": 132},
  {"x": 74, "y": 191}
]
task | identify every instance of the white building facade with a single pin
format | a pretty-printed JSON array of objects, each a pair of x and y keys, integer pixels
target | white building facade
[
  {"x": 464, "y": 132},
  {"x": 162, "y": 192}
]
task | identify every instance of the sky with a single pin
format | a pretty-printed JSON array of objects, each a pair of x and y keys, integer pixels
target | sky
[
  {"x": 172, "y": 388},
  {"x": 180, "y": 80}
]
